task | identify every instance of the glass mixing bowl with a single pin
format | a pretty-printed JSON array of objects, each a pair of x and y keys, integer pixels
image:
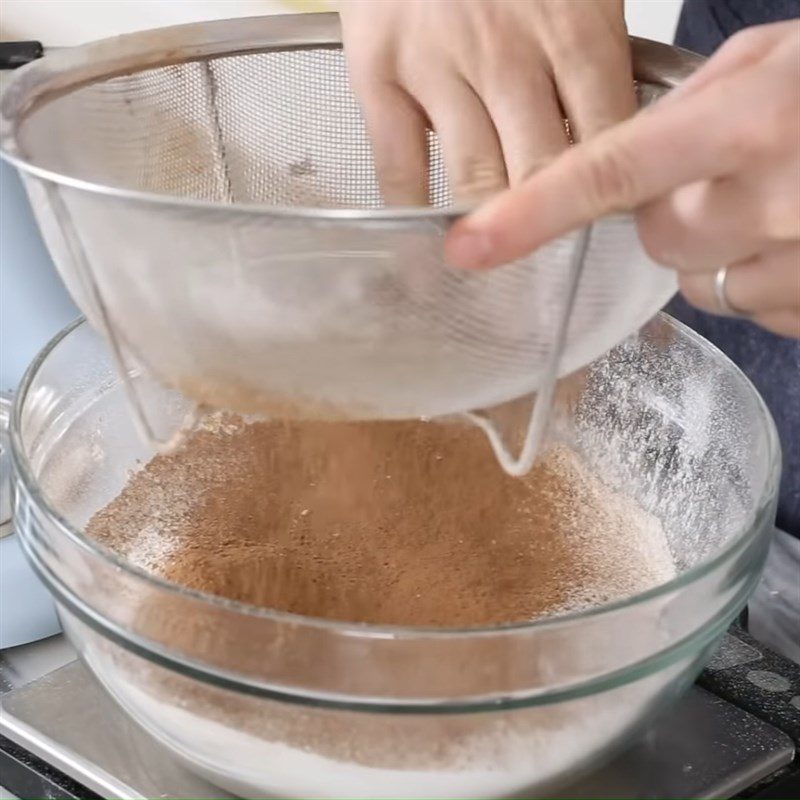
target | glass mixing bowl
[{"x": 274, "y": 704}]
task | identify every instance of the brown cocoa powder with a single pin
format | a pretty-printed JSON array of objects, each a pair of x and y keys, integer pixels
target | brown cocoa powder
[{"x": 407, "y": 523}]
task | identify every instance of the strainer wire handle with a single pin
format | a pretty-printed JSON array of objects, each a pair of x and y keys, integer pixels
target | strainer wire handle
[
  {"x": 93, "y": 291},
  {"x": 17, "y": 54},
  {"x": 540, "y": 412}
]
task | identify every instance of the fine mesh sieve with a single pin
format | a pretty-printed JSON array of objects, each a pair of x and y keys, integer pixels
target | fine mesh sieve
[{"x": 209, "y": 197}]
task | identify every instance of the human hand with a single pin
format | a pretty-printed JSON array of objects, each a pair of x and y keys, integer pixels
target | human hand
[
  {"x": 493, "y": 78},
  {"x": 712, "y": 170}
]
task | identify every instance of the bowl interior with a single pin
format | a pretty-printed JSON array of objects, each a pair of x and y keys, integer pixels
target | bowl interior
[{"x": 664, "y": 418}]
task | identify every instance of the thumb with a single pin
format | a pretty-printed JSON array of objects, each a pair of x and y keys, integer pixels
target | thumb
[{"x": 630, "y": 164}]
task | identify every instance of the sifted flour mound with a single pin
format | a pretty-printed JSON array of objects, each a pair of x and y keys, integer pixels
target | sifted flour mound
[
  {"x": 406, "y": 523},
  {"x": 396, "y": 523}
]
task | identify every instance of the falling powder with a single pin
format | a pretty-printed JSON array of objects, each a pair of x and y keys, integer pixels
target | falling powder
[{"x": 406, "y": 523}]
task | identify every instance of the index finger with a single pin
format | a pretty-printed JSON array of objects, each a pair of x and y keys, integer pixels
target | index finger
[
  {"x": 398, "y": 134},
  {"x": 628, "y": 165}
]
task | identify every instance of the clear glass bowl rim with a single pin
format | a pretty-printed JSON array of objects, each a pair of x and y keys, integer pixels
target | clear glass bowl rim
[{"x": 747, "y": 533}]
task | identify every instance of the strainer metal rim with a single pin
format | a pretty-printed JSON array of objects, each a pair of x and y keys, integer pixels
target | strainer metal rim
[{"x": 654, "y": 63}]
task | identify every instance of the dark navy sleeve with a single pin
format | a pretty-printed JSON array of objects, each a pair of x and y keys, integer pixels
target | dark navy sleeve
[
  {"x": 705, "y": 24},
  {"x": 771, "y": 362}
]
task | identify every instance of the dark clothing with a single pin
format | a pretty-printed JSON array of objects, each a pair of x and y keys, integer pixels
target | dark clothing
[
  {"x": 771, "y": 362},
  {"x": 705, "y": 24}
]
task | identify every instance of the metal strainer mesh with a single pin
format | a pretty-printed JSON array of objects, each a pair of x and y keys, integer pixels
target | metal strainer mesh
[
  {"x": 209, "y": 196},
  {"x": 280, "y": 128}
]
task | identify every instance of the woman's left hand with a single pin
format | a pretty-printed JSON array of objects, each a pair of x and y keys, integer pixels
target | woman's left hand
[{"x": 712, "y": 172}]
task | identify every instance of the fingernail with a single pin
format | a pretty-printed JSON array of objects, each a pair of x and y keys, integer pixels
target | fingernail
[{"x": 469, "y": 250}]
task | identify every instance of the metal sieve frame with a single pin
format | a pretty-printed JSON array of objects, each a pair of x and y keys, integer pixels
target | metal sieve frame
[
  {"x": 655, "y": 65},
  {"x": 67, "y": 69}
]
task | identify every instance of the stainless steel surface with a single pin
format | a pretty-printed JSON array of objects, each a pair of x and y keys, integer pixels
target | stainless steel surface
[
  {"x": 66, "y": 719},
  {"x": 21, "y": 666},
  {"x": 703, "y": 748}
]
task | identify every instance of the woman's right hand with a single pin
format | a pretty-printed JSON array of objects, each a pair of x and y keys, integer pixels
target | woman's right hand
[
  {"x": 712, "y": 173},
  {"x": 493, "y": 78}
]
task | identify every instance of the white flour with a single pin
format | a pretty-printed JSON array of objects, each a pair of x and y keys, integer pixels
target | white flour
[{"x": 502, "y": 763}]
